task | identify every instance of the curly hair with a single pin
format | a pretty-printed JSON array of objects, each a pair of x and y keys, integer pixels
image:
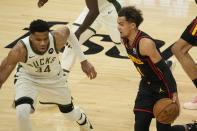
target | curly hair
[
  {"x": 131, "y": 14},
  {"x": 38, "y": 26}
]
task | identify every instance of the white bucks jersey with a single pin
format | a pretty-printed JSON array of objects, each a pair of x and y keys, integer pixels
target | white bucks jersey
[{"x": 40, "y": 67}]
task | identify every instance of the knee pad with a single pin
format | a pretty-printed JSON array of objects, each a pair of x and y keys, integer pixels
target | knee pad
[
  {"x": 66, "y": 108},
  {"x": 71, "y": 113},
  {"x": 24, "y": 106},
  {"x": 25, "y": 100}
]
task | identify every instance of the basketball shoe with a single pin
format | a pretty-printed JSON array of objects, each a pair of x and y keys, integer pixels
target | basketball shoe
[
  {"x": 86, "y": 125},
  {"x": 192, "y": 105},
  {"x": 191, "y": 126}
]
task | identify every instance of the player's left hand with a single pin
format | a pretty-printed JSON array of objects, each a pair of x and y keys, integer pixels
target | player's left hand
[
  {"x": 88, "y": 69},
  {"x": 41, "y": 3}
]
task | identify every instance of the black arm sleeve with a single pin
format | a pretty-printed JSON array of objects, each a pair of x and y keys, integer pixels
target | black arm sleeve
[{"x": 171, "y": 83}]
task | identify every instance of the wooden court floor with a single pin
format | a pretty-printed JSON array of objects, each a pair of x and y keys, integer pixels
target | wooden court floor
[{"x": 108, "y": 100}]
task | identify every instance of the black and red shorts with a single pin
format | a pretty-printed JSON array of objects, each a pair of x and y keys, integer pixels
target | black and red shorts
[{"x": 190, "y": 33}]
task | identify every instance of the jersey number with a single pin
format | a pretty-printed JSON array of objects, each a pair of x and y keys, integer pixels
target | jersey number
[{"x": 46, "y": 69}]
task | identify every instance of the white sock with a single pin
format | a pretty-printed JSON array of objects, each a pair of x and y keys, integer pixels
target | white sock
[{"x": 23, "y": 113}]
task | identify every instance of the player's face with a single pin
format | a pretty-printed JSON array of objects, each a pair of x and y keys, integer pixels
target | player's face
[
  {"x": 124, "y": 27},
  {"x": 40, "y": 41}
]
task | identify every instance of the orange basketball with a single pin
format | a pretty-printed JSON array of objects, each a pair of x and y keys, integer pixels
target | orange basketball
[{"x": 165, "y": 111}]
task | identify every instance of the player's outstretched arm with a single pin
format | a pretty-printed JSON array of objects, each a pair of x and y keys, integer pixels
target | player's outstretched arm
[{"x": 64, "y": 35}]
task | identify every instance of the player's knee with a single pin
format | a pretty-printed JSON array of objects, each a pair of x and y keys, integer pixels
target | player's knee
[
  {"x": 180, "y": 48},
  {"x": 66, "y": 108},
  {"x": 175, "y": 48},
  {"x": 24, "y": 106},
  {"x": 70, "y": 112},
  {"x": 24, "y": 100}
]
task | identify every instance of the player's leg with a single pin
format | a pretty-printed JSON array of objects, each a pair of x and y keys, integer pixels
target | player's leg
[
  {"x": 74, "y": 113},
  {"x": 108, "y": 19},
  {"x": 64, "y": 102},
  {"x": 87, "y": 33},
  {"x": 142, "y": 121},
  {"x": 144, "y": 103},
  {"x": 23, "y": 110},
  {"x": 180, "y": 49},
  {"x": 24, "y": 100}
]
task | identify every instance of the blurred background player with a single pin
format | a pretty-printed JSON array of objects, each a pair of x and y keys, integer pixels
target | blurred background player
[
  {"x": 96, "y": 14},
  {"x": 181, "y": 50}
]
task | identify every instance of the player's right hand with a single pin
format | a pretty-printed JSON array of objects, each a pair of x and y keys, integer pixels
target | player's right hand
[
  {"x": 88, "y": 69},
  {"x": 41, "y": 3}
]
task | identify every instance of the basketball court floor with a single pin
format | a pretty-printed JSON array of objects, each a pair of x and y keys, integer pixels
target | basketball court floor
[{"x": 108, "y": 100}]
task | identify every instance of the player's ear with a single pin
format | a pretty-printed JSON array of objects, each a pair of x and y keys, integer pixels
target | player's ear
[{"x": 133, "y": 25}]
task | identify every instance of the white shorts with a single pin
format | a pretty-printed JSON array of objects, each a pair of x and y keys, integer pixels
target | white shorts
[
  {"x": 56, "y": 93},
  {"x": 106, "y": 19}
]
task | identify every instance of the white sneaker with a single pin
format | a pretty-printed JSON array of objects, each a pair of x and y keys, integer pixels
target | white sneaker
[
  {"x": 192, "y": 105},
  {"x": 86, "y": 126}
]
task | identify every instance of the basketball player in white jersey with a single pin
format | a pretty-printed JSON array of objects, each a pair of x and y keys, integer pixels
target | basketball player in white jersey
[
  {"x": 39, "y": 73},
  {"x": 96, "y": 14}
]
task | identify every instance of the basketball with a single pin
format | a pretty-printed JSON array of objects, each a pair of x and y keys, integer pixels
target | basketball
[{"x": 165, "y": 111}]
